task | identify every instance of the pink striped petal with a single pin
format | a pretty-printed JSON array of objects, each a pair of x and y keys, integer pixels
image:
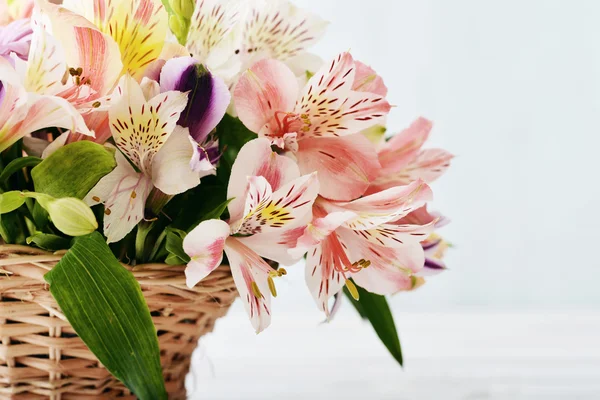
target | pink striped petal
[
  {"x": 391, "y": 269},
  {"x": 204, "y": 244},
  {"x": 346, "y": 165},
  {"x": 257, "y": 159},
  {"x": 402, "y": 148},
  {"x": 329, "y": 107},
  {"x": 367, "y": 80},
  {"x": 250, "y": 274},
  {"x": 428, "y": 165},
  {"x": 383, "y": 207},
  {"x": 268, "y": 88},
  {"x": 322, "y": 277}
]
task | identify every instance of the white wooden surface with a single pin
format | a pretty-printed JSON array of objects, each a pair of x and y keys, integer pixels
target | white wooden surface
[{"x": 466, "y": 355}]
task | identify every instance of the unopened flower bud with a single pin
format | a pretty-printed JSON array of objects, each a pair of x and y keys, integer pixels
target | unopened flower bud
[
  {"x": 177, "y": 25},
  {"x": 72, "y": 216}
]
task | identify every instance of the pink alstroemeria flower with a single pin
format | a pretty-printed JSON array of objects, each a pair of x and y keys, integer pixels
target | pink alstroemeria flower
[
  {"x": 143, "y": 122},
  {"x": 138, "y": 27},
  {"x": 360, "y": 240},
  {"x": 102, "y": 40},
  {"x": 16, "y": 38},
  {"x": 403, "y": 161},
  {"x": 23, "y": 112},
  {"x": 271, "y": 206},
  {"x": 320, "y": 125}
]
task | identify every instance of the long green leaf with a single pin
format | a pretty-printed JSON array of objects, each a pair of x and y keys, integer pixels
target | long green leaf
[
  {"x": 375, "y": 308},
  {"x": 17, "y": 165},
  {"x": 104, "y": 304},
  {"x": 73, "y": 170}
]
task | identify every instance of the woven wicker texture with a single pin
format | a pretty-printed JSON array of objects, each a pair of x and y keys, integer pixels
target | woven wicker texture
[{"x": 41, "y": 356}]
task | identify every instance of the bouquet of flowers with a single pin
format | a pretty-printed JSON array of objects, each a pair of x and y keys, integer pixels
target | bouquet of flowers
[{"x": 202, "y": 133}]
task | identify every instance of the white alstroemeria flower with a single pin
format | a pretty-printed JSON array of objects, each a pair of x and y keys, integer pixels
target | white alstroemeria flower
[
  {"x": 152, "y": 152},
  {"x": 231, "y": 35}
]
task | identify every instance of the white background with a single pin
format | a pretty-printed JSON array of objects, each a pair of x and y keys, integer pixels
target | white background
[{"x": 513, "y": 88}]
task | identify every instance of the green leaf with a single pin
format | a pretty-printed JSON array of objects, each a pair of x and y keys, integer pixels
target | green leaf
[
  {"x": 217, "y": 211},
  {"x": 233, "y": 135},
  {"x": 12, "y": 228},
  {"x": 375, "y": 308},
  {"x": 174, "y": 245},
  {"x": 17, "y": 165},
  {"x": 10, "y": 201},
  {"x": 104, "y": 304},
  {"x": 73, "y": 170},
  {"x": 49, "y": 242}
]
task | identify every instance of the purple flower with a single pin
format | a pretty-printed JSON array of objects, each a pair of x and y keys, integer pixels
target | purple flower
[
  {"x": 16, "y": 38},
  {"x": 208, "y": 100}
]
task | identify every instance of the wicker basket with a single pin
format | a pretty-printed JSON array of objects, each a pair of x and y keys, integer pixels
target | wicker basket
[{"x": 42, "y": 357}]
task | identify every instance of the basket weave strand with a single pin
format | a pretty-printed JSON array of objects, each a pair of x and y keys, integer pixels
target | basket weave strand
[{"x": 42, "y": 357}]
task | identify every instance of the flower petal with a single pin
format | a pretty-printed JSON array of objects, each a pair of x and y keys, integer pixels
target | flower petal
[
  {"x": 391, "y": 269},
  {"x": 212, "y": 22},
  {"x": 383, "y": 207},
  {"x": 257, "y": 159},
  {"x": 329, "y": 107},
  {"x": 204, "y": 244},
  {"x": 287, "y": 208},
  {"x": 402, "y": 148},
  {"x": 265, "y": 89},
  {"x": 85, "y": 47},
  {"x": 16, "y": 38},
  {"x": 209, "y": 96},
  {"x": 173, "y": 160},
  {"x": 322, "y": 278},
  {"x": 280, "y": 30},
  {"x": 123, "y": 192},
  {"x": 276, "y": 246},
  {"x": 346, "y": 165},
  {"x": 397, "y": 236},
  {"x": 251, "y": 274},
  {"x": 421, "y": 216},
  {"x": 319, "y": 229},
  {"x": 46, "y": 66},
  {"x": 429, "y": 165},
  {"x": 139, "y": 27},
  {"x": 141, "y": 128},
  {"x": 367, "y": 80}
]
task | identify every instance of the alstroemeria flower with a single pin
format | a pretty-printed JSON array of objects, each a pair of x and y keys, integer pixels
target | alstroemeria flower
[
  {"x": 139, "y": 27},
  {"x": 144, "y": 126},
  {"x": 208, "y": 100},
  {"x": 75, "y": 62},
  {"x": 229, "y": 36},
  {"x": 23, "y": 112},
  {"x": 271, "y": 206},
  {"x": 319, "y": 124},
  {"x": 403, "y": 161},
  {"x": 360, "y": 240},
  {"x": 16, "y": 38}
]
